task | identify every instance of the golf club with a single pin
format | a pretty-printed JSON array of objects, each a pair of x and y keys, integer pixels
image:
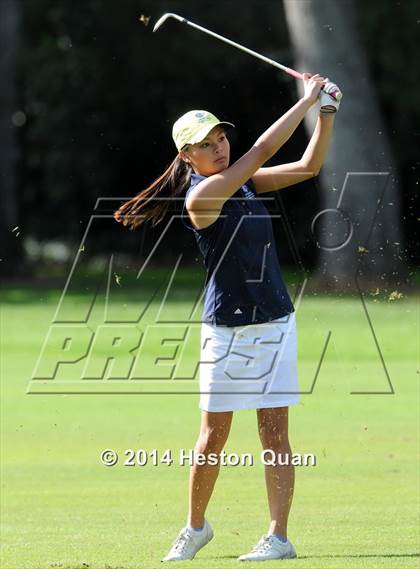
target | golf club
[{"x": 162, "y": 20}]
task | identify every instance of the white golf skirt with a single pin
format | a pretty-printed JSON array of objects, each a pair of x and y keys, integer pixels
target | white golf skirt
[{"x": 249, "y": 367}]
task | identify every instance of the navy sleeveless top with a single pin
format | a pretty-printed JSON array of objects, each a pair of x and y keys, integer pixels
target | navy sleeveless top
[{"x": 244, "y": 284}]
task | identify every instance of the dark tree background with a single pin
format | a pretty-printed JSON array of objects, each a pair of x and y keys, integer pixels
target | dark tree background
[{"x": 96, "y": 93}]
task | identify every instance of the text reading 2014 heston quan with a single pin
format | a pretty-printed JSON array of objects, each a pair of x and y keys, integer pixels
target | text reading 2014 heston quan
[{"x": 189, "y": 457}]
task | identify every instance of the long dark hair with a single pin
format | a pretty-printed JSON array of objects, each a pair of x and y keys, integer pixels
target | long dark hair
[{"x": 144, "y": 207}]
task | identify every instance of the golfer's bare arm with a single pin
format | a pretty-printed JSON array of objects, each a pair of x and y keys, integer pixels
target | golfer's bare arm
[
  {"x": 210, "y": 194},
  {"x": 284, "y": 175}
]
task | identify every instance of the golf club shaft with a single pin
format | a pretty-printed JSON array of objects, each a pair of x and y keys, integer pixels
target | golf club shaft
[
  {"x": 288, "y": 70},
  {"x": 247, "y": 50}
]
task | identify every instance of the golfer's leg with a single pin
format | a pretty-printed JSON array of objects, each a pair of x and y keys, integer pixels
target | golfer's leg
[
  {"x": 214, "y": 432},
  {"x": 273, "y": 431}
]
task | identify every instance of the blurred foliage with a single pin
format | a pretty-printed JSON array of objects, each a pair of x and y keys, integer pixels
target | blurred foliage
[{"x": 100, "y": 92}]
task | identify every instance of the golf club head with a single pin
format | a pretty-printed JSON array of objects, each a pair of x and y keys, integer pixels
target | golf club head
[{"x": 163, "y": 19}]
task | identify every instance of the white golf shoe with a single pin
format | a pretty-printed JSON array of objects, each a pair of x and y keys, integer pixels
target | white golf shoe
[
  {"x": 189, "y": 542},
  {"x": 270, "y": 547}
]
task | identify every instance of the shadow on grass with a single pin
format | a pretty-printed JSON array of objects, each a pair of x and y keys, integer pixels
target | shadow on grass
[
  {"x": 188, "y": 282},
  {"x": 361, "y": 556},
  {"x": 333, "y": 556},
  {"x": 85, "y": 286}
]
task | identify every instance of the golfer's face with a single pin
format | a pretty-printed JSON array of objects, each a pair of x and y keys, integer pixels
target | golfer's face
[{"x": 211, "y": 155}]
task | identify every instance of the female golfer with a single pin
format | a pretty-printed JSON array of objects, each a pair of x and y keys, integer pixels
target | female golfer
[{"x": 248, "y": 330}]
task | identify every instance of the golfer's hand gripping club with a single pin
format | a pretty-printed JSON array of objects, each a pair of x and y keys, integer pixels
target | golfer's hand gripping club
[
  {"x": 329, "y": 95},
  {"x": 334, "y": 93},
  {"x": 330, "y": 98},
  {"x": 312, "y": 85}
]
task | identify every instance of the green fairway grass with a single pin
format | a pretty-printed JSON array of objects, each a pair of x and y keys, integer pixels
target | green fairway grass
[{"x": 358, "y": 507}]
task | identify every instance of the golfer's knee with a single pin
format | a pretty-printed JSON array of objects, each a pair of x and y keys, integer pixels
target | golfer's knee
[
  {"x": 212, "y": 440},
  {"x": 278, "y": 442}
]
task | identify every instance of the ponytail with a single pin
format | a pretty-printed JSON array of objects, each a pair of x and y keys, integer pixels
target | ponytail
[{"x": 143, "y": 207}]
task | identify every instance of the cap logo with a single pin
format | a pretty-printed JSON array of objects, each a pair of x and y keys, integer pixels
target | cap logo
[{"x": 201, "y": 117}]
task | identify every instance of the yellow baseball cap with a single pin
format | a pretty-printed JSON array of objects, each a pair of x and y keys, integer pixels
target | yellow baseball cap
[{"x": 193, "y": 127}]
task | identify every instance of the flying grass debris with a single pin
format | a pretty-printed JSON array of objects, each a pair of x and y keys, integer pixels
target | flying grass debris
[
  {"x": 144, "y": 19},
  {"x": 117, "y": 279}
]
